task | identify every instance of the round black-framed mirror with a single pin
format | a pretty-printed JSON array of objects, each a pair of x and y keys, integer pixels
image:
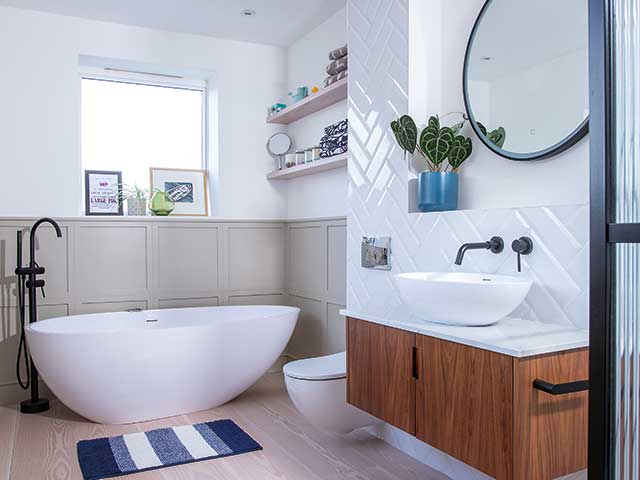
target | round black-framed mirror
[{"x": 525, "y": 87}]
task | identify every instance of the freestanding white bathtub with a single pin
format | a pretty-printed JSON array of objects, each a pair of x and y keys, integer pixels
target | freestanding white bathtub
[{"x": 129, "y": 367}]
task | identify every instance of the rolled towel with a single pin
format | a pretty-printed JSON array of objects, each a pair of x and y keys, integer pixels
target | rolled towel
[
  {"x": 338, "y": 66},
  {"x": 338, "y": 53},
  {"x": 334, "y": 78}
]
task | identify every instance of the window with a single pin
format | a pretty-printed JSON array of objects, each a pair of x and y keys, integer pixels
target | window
[{"x": 131, "y": 126}]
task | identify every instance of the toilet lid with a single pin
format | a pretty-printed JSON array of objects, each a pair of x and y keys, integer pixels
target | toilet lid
[{"x": 331, "y": 367}]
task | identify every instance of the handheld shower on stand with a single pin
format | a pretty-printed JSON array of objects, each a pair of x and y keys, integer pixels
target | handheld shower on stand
[{"x": 28, "y": 282}]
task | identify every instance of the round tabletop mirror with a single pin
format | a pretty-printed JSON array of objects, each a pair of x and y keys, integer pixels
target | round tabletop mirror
[
  {"x": 526, "y": 74},
  {"x": 279, "y": 144}
]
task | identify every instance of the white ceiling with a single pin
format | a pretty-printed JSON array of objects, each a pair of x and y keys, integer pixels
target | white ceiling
[{"x": 277, "y": 22}]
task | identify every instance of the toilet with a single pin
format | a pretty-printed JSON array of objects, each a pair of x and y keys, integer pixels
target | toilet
[{"x": 318, "y": 389}]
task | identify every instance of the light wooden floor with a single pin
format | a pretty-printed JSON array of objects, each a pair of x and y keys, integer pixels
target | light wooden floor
[{"x": 34, "y": 447}]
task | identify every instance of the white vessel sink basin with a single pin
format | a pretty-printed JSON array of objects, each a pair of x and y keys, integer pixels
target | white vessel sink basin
[{"x": 468, "y": 299}]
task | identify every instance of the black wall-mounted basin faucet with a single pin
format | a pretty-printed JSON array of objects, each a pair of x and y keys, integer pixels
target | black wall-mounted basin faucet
[{"x": 495, "y": 245}]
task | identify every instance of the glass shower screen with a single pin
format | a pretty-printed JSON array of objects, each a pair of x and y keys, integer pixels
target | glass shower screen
[{"x": 625, "y": 45}]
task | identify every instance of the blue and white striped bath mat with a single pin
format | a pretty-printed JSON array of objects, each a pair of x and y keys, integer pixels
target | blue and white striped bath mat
[{"x": 164, "y": 447}]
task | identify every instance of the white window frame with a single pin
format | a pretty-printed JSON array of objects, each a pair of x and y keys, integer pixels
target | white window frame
[{"x": 153, "y": 79}]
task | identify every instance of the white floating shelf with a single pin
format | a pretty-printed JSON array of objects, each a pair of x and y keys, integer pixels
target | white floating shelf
[
  {"x": 321, "y": 165},
  {"x": 311, "y": 104}
]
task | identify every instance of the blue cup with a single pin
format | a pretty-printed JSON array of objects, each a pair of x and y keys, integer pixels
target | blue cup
[
  {"x": 437, "y": 191},
  {"x": 301, "y": 92}
]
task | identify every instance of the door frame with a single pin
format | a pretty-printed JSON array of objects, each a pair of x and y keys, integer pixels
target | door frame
[{"x": 601, "y": 328}]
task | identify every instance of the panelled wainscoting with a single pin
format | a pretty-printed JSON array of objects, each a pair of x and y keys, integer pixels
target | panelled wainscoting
[
  {"x": 117, "y": 264},
  {"x": 316, "y": 282}
]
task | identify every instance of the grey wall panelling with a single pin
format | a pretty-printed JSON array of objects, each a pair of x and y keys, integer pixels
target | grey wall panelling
[
  {"x": 116, "y": 264},
  {"x": 316, "y": 282}
]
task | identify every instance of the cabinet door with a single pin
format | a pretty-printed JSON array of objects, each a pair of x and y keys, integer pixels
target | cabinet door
[
  {"x": 551, "y": 431},
  {"x": 380, "y": 372},
  {"x": 464, "y": 404}
]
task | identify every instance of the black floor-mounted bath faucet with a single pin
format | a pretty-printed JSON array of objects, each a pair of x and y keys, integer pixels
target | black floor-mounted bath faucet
[
  {"x": 27, "y": 277},
  {"x": 495, "y": 245}
]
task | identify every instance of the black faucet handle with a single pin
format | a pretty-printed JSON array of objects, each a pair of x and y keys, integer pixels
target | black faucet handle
[
  {"x": 39, "y": 283},
  {"x": 522, "y": 246},
  {"x": 496, "y": 245}
]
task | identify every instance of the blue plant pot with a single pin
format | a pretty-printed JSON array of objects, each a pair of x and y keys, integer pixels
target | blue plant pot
[{"x": 437, "y": 191}]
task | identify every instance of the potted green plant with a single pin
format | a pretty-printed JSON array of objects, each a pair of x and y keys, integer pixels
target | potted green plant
[
  {"x": 136, "y": 198},
  {"x": 444, "y": 150}
]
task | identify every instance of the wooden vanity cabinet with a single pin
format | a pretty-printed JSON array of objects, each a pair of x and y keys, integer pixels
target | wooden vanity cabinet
[
  {"x": 379, "y": 372},
  {"x": 473, "y": 404}
]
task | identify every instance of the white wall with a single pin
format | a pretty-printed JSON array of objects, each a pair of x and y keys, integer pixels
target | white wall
[
  {"x": 40, "y": 124},
  {"x": 322, "y": 194},
  {"x": 487, "y": 180}
]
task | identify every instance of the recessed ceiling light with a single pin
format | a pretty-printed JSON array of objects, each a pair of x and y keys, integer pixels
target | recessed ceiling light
[{"x": 247, "y": 12}]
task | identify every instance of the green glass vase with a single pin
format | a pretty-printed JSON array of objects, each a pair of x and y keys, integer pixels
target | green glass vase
[{"x": 161, "y": 205}]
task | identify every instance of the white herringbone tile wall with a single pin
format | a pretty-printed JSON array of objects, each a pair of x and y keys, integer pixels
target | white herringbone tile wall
[
  {"x": 378, "y": 194},
  {"x": 378, "y": 205},
  {"x": 558, "y": 265}
]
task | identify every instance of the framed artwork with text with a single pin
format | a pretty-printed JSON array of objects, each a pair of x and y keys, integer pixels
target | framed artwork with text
[{"x": 102, "y": 192}]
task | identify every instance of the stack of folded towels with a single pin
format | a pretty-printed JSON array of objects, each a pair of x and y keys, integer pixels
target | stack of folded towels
[{"x": 337, "y": 68}]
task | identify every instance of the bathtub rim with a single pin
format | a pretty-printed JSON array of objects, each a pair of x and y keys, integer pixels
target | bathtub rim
[{"x": 32, "y": 329}]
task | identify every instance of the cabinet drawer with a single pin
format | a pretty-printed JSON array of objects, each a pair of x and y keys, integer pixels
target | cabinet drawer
[
  {"x": 464, "y": 404},
  {"x": 550, "y": 431},
  {"x": 380, "y": 372}
]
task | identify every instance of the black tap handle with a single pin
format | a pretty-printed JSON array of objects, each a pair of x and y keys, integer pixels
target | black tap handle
[{"x": 522, "y": 246}]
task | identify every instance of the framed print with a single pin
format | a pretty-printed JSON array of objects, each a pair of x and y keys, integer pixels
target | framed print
[
  {"x": 102, "y": 190},
  {"x": 186, "y": 188}
]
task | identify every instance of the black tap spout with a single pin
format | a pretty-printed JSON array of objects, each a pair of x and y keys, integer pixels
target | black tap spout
[
  {"x": 470, "y": 246},
  {"x": 32, "y": 237},
  {"x": 496, "y": 245}
]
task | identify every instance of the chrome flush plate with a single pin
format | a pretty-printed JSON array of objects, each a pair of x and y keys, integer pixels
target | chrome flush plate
[{"x": 376, "y": 253}]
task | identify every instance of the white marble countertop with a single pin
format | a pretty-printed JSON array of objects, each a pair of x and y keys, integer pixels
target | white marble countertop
[{"x": 510, "y": 336}]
